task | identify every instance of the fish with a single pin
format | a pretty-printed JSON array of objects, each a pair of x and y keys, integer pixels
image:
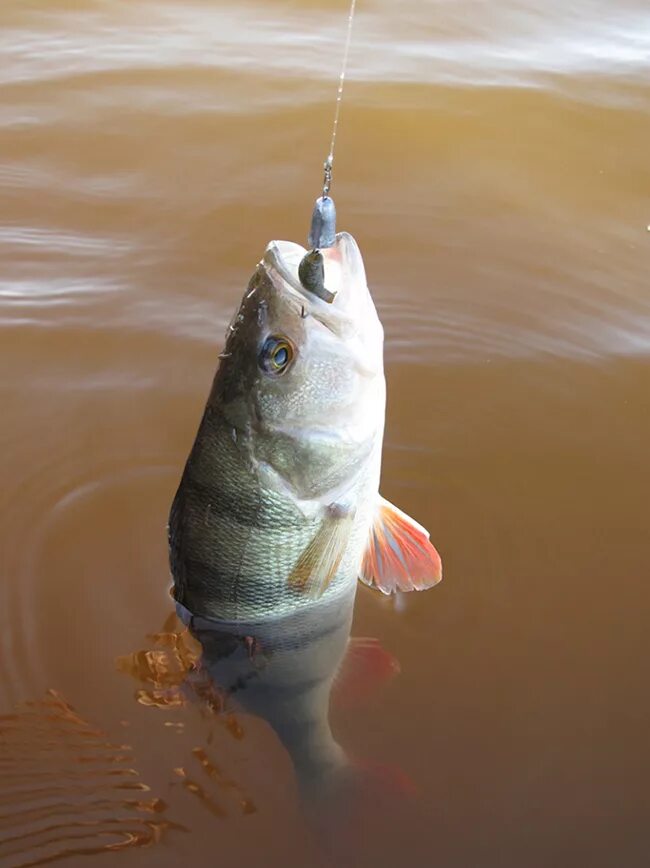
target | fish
[{"x": 278, "y": 509}]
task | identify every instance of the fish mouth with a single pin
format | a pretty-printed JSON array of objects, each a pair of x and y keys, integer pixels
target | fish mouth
[{"x": 343, "y": 266}]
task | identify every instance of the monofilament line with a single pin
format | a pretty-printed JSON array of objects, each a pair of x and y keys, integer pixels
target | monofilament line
[{"x": 329, "y": 162}]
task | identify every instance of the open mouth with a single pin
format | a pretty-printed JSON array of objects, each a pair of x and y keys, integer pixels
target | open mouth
[{"x": 320, "y": 275}]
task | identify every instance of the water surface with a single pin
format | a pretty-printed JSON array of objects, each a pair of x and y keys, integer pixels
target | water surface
[{"x": 493, "y": 165}]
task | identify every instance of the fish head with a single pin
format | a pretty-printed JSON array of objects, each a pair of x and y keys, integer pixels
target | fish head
[{"x": 301, "y": 378}]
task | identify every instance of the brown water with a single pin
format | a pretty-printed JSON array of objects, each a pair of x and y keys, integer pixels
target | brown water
[{"x": 493, "y": 165}]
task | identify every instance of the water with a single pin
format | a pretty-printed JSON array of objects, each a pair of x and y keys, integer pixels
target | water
[{"x": 492, "y": 163}]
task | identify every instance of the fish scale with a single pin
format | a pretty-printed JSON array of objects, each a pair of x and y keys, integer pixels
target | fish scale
[{"x": 240, "y": 540}]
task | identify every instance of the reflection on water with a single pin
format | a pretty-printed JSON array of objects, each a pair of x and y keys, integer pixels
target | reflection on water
[
  {"x": 68, "y": 791},
  {"x": 173, "y": 674},
  {"x": 493, "y": 165}
]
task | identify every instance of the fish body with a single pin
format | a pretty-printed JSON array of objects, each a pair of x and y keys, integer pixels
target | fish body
[{"x": 278, "y": 509}]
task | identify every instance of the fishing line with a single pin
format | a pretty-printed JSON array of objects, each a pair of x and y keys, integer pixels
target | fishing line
[
  {"x": 329, "y": 162},
  {"x": 322, "y": 233}
]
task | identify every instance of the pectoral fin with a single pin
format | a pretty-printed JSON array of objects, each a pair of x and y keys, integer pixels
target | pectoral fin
[
  {"x": 319, "y": 562},
  {"x": 399, "y": 556}
]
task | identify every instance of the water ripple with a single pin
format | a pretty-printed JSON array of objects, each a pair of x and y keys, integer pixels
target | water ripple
[
  {"x": 515, "y": 45},
  {"x": 55, "y": 241}
]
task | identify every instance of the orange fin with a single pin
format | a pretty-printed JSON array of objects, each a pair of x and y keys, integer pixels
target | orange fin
[
  {"x": 365, "y": 667},
  {"x": 399, "y": 556}
]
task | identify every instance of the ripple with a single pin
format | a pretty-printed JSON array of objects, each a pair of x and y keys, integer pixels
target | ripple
[
  {"x": 67, "y": 790},
  {"x": 51, "y": 487},
  {"x": 54, "y": 241},
  {"x": 514, "y": 45},
  {"x": 30, "y": 175}
]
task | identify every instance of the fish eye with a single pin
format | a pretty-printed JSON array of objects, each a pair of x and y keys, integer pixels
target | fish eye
[{"x": 276, "y": 354}]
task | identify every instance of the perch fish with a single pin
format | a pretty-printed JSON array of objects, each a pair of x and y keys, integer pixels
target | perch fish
[{"x": 278, "y": 508}]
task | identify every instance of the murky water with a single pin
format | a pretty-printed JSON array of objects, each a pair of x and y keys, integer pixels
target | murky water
[{"x": 493, "y": 165}]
